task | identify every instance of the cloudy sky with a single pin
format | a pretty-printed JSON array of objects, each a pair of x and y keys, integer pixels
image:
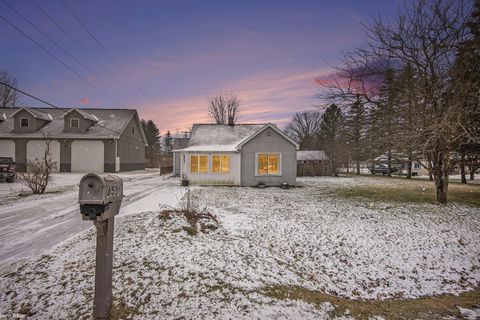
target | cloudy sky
[{"x": 165, "y": 58}]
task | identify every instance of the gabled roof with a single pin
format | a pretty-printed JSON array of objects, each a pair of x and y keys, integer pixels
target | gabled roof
[
  {"x": 83, "y": 113},
  {"x": 311, "y": 155},
  {"x": 35, "y": 113},
  {"x": 110, "y": 125},
  {"x": 280, "y": 132},
  {"x": 225, "y": 138},
  {"x": 219, "y": 137}
]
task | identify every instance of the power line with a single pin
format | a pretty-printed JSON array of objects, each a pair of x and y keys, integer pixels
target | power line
[
  {"x": 101, "y": 45},
  {"x": 51, "y": 40},
  {"x": 77, "y": 60},
  {"x": 63, "y": 109},
  {"x": 47, "y": 51},
  {"x": 58, "y": 26}
]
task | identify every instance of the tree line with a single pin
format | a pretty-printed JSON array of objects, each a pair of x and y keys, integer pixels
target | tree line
[{"x": 411, "y": 91}]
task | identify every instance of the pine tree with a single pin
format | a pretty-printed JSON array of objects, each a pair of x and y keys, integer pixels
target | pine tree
[
  {"x": 355, "y": 132},
  {"x": 331, "y": 136},
  {"x": 152, "y": 134},
  {"x": 168, "y": 142},
  {"x": 385, "y": 116}
]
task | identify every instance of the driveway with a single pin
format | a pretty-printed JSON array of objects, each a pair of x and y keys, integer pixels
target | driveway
[{"x": 30, "y": 225}]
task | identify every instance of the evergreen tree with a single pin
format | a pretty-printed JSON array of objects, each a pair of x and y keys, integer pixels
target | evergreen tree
[
  {"x": 355, "y": 132},
  {"x": 168, "y": 142},
  {"x": 152, "y": 134},
  {"x": 331, "y": 136},
  {"x": 385, "y": 116}
]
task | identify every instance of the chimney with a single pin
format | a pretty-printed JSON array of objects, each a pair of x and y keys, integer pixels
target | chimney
[{"x": 230, "y": 121}]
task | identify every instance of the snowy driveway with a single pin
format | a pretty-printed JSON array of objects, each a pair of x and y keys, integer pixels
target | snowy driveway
[{"x": 33, "y": 224}]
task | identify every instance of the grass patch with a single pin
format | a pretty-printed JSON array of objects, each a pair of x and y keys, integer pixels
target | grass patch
[
  {"x": 198, "y": 221},
  {"x": 425, "y": 308},
  {"x": 411, "y": 191}
]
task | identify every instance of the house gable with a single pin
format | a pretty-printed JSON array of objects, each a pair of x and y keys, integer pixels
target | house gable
[
  {"x": 74, "y": 121},
  {"x": 24, "y": 120},
  {"x": 269, "y": 128}
]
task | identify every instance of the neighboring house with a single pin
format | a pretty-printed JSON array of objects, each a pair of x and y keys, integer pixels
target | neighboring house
[
  {"x": 240, "y": 155},
  {"x": 312, "y": 163},
  {"x": 81, "y": 140},
  {"x": 178, "y": 144},
  {"x": 401, "y": 162}
]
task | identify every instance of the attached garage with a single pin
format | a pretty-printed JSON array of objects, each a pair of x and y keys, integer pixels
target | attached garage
[
  {"x": 7, "y": 148},
  {"x": 87, "y": 156},
  {"x": 36, "y": 150}
]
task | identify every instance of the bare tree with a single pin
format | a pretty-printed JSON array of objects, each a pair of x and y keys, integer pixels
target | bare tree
[
  {"x": 425, "y": 36},
  {"x": 39, "y": 171},
  {"x": 8, "y": 95},
  {"x": 304, "y": 129},
  {"x": 224, "y": 108}
]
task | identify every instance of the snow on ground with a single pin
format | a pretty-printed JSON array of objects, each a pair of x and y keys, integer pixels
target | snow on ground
[
  {"x": 44, "y": 221},
  {"x": 299, "y": 237}
]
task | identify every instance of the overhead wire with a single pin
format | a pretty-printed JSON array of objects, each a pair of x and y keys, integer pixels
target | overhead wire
[
  {"x": 63, "y": 109},
  {"x": 121, "y": 93},
  {"x": 104, "y": 49},
  {"x": 47, "y": 51}
]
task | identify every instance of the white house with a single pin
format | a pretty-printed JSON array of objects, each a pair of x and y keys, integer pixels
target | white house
[{"x": 240, "y": 154}]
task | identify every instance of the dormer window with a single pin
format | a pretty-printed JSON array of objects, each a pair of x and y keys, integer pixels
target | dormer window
[
  {"x": 74, "y": 123},
  {"x": 24, "y": 122}
]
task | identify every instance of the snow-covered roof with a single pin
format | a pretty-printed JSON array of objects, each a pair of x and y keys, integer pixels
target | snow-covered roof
[
  {"x": 219, "y": 137},
  {"x": 83, "y": 113},
  {"x": 311, "y": 155},
  {"x": 110, "y": 124},
  {"x": 35, "y": 113}
]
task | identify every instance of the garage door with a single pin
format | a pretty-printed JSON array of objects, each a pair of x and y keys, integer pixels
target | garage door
[
  {"x": 36, "y": 150},
  {"x": 87, "y": 156},
  {"x": 7, "y": 148}
]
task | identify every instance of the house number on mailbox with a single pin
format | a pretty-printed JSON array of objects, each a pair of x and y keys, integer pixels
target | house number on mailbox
[{"x": 113, "y": 191}]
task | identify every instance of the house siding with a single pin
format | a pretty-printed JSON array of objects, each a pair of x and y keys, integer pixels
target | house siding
[
  {"x": 131, "y": 148},
  {"x": 33, "y": 123},
  {"x": 84, "y": 124},
  {"x": 227, "y": 179},
  {"x": 268, "y": 141}
]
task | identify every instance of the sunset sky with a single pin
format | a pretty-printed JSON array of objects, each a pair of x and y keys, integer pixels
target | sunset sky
[{"x": 170, "y": 56}]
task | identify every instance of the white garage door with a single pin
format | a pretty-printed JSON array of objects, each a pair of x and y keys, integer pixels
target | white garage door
[
  {"x": 36, "y": 150},
  {"x": 7, "y": 148},
  {"x": 87, "y": 156}
]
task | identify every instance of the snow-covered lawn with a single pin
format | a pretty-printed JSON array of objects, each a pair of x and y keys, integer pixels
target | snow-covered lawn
[
  {"x": 272, "y": 238},
  {"x": 32, "y": 224}
]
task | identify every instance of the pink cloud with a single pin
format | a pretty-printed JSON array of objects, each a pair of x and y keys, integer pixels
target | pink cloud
[
  {"x": 267, "y": 97},
  {"x": 84, "y": 101}
]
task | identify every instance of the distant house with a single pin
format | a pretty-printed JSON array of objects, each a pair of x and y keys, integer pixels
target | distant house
[
  {"x": 401, "y": 163},
  {"x": 240, "y": 154},
  {"x": 81, "y": 140},
  {"x": 312, "y": 163}
]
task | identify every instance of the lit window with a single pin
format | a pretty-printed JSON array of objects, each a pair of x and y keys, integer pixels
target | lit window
[
  {"x": 221, "y": 164},
  {"x": 198, "y": 164},
  {"x": 268, "y": 164},
  {"x": 24, "y": 122},
  {"x": 74, "y": 123}
]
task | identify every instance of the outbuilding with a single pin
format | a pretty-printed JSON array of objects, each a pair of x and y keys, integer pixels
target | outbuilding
[{"x": 79, "y": 140}]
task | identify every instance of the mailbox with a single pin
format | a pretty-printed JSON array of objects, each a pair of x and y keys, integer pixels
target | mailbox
[{"x": 100, "y": 197}]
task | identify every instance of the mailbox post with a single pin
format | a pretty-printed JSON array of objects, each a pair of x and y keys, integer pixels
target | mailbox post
[{"x": 100, "y": 199}]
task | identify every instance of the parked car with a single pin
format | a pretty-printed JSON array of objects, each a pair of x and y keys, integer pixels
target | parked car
[
  {"x": 383, "y": 169},
  {"x": 8, "y": 171}
]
